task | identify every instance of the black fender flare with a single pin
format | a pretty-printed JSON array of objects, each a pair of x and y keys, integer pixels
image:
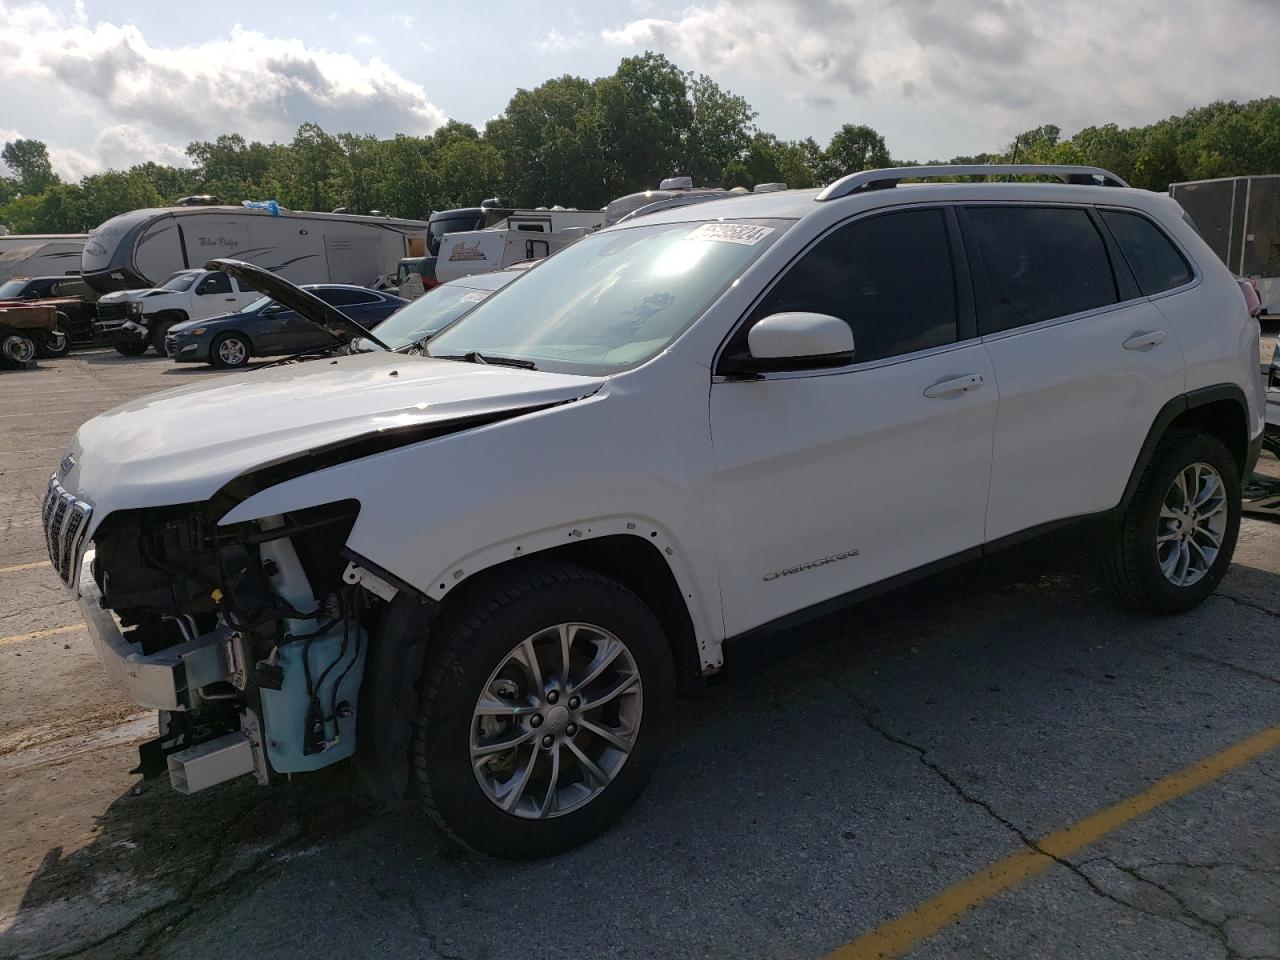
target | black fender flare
[{"x": 1169, "y": 413}]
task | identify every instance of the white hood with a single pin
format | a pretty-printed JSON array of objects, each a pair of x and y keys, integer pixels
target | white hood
[
  {"x": 120, "y": 296},
  {"x": 182, "y": 445}
]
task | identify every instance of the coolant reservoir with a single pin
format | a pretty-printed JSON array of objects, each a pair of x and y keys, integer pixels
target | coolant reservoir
[{"x": 286, "y": 712}]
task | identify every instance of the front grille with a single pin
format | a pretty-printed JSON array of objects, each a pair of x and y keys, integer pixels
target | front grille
[
  {"x": 118, "y": 310},
  {"x": 65, "y": 520}
]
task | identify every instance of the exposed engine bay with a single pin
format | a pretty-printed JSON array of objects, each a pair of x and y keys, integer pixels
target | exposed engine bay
[{"x": 259, "y": 637}]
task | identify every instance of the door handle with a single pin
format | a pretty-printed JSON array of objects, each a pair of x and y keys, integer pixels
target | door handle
[
  {"x": 1145, "y": 341},
  {"x": 954, "y": 385}
]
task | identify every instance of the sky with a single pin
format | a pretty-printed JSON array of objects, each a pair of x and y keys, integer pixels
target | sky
[{"x": 110, "y": 84}]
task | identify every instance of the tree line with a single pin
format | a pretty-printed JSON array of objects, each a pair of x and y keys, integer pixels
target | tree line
[{"x": 580, "y": 143}]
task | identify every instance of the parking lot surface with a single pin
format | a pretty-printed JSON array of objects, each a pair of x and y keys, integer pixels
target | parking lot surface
[{"x": 1026, "y": 772}]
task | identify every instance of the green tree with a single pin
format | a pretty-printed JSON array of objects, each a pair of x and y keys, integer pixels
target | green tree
[
  {"x": 722, "y": 125},
  {"x": 645, "y": 118},
  {"x": 310, "y": 174},
  {"x": 29, "y": 160},
  {"x": 854, "y": 147}
]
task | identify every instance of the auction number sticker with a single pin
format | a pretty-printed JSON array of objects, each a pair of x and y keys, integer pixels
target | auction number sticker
[
  {"x": 475, "y": 296},
  {"x": 746, "y": 234}
]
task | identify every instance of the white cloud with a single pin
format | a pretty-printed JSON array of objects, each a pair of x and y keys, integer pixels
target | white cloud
[
  {"x": 557, "y": 41},
  {"x": 1008, "y": 64},
  {"x": 147, "y": 102}
]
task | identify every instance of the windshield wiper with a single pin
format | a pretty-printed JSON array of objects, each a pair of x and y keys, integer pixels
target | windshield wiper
[{"x": 475, "y": 356}]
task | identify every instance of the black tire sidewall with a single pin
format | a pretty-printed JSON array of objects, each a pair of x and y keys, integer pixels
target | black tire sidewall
[
  {"x": 217, "y": 361},
  {"x": 442, "y": 738},
  {"x": 130, "y": 348},
  {"x": 63, "y": 326},
  {"x": 1182, "y": 451}
]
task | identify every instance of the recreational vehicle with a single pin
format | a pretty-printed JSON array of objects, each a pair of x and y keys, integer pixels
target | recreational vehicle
[
  {"x": 141, "y": 248},
  {"x": 40, "y": 254}
]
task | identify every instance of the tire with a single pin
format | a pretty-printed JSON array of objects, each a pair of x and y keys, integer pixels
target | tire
[
  {"x": 156, "y": 336},
  {"x": 478, "y": 642},
  {"x": 58, "y": 343},
  {"x": 1137, "y": 567},
  {"x": 130, "y": 347},
  {"x": 230, "y": 351},
  {"x": 17, "y": 347}
]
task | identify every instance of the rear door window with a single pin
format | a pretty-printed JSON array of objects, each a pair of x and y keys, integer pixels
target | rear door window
[
  {"x": 1037, "y": 263},
  {"x": 1156, "y": 263},
  {"x": 890, "y": 277},
  {"x": 348, "y": 298}
]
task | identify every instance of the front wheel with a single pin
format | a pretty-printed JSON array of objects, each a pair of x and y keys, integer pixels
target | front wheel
[
  {"x": 230, "y": 350},
  {"x": 1179, "y": 531},
  {"x": 544, "y": 710},
  {"x": 130, "y": 346}
]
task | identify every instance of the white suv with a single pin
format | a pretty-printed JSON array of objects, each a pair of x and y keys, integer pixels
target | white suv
[{"x": 488, "y": 571}]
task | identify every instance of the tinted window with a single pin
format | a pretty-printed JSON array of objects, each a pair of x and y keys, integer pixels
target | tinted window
[
  {"x": 1039, "y": 263},
  {"x": 890, "y": 278},
  {"x": 214, "y": 283},
  {"x": 347, "y": 298},
  {"x": 1156, "y": 263}
]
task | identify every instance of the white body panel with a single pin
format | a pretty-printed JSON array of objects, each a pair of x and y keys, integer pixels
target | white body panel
[
  {"x": 1075, "y": 407},
  {"x": 814, "y": 467},
  {"x": 40, "y": 255},
  {"x": 525, "y": 235}
]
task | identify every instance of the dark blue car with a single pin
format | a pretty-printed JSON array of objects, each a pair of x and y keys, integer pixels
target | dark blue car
[{"x": 267, "y": 329}]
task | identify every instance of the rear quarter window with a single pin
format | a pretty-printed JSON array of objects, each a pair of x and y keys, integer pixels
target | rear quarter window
[{"x": 1156, "y": 263}]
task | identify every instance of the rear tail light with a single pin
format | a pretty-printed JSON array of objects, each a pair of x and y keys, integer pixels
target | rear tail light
[{"x": 1249, "y": 290}]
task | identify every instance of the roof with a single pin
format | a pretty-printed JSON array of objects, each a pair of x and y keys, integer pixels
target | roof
[{"x": 795, "y": 204}]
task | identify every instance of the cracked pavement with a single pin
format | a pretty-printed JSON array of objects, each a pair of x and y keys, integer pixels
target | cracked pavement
[{"x": 799, "y": 806}]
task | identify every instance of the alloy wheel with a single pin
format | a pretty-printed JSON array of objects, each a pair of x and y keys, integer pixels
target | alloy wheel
[
  {"x": 232, "y": 352},
  {"x": 1191, "y": 525},
  {"x": 556, "y": 721}
]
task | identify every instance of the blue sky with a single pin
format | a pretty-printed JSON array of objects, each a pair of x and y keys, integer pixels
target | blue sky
[{"x": 110, "y": 84}]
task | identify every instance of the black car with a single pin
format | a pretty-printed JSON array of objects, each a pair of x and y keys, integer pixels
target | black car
[{"x": 268, "y": 329}]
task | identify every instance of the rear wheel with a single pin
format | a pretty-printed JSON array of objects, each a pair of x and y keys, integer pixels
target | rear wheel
[
  {"x": 544, "y": 711},
  {"x": 229, "y": 350},
  {"x": 17, "y": 346},
  {"x": 57, "y": 342},
  {"x": 1179, "y": 532}
]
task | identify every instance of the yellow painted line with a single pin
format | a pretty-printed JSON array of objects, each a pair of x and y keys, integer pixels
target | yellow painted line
[
  {"x": 36, "y": 635},
  {"x": 896, "y": 937},
  {"x": 24, "y": 566}
]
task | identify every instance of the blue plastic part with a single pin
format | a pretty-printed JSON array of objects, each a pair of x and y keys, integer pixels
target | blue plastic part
[{"x": 284, "y": 711}]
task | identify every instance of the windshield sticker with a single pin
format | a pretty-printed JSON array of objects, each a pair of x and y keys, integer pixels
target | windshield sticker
[
  {"x": 744, "y": 233},
  {"x": 475, "y": 296}
]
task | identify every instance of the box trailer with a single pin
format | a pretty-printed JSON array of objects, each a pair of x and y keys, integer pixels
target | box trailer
[{"x": 1239, "y": 217}]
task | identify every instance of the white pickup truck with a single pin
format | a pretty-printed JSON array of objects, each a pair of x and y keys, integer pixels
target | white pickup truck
[{"x": 137, "y": 319}]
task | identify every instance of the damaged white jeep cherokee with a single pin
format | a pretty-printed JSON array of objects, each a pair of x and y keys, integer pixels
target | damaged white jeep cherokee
[{"x": 487, "y": 565}]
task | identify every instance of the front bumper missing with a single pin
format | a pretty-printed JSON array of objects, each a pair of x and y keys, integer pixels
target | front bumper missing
[
  {"x": 164, "y": 680},
  {"x": 170, "y": 680}
]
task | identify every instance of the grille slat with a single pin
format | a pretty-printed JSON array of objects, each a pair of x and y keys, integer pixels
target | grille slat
[{"x": 65, "y": 521}]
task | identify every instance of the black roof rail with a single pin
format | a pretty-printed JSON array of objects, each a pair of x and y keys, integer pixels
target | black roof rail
[{"x": 890, "y": 177}]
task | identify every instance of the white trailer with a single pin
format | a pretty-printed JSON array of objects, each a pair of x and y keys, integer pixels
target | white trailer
[
  {"x": 522, "y": 235},
  {"x": 141, "y": 248},
  {"x": 1239, "y": 217},
  {"x": 40, "y": 254}
]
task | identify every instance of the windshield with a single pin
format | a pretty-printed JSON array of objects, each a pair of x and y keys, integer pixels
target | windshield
[
  {"x": 256, "y": 305},
  {"x": 11, "y": 288},
  {"x": 433, "y": 310},
  {"x": 408, "y": 267},
  {"x": 612, "y": 300},
  {"x": 436, "y": 229},
  {"x": 179, "y": 281}
]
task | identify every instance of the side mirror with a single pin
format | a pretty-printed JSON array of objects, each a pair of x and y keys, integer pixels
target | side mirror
[{"x": 794, "y": 341}]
